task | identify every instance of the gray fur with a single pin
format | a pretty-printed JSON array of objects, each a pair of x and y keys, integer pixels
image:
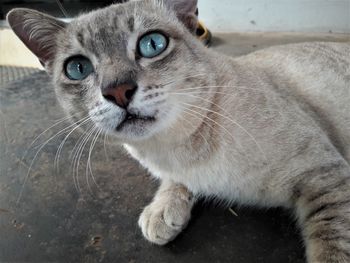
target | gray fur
[{"x": 271, "y": 128}]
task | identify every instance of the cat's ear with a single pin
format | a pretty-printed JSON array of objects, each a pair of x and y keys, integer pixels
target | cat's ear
[
  {"x": 185, "y": 11},
  {"x": 37, "y": 31}
]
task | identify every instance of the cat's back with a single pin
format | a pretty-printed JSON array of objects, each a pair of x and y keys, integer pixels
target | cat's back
[
  {"x": 323, "y": 60},
  {"x": 316, "y": 75},
  {"x": 319, "y": 70}
]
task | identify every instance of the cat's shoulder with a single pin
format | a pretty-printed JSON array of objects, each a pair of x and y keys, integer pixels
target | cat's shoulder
[{"x": 302, "y": 52}]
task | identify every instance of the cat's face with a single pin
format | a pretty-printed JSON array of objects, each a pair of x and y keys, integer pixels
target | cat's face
[{"x": 123, "y": 66}]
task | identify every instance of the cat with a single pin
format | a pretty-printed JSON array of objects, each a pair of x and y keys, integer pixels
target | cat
[{"x": 270, "y": 129}]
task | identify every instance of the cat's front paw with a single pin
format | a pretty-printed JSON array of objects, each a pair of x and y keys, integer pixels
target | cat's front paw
[{"x": 162, "y": 220}]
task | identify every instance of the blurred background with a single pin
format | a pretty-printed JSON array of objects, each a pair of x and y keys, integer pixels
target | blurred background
[
  {"x": 320, "y": 16},
  {"x": 224, "y": 16},
  {"x": 72, "y": 7}
]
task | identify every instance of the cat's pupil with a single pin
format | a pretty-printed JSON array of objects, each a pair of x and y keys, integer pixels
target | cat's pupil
[
  {"x": 80, "y": 68},
  {"x": 153, "y": 44}
]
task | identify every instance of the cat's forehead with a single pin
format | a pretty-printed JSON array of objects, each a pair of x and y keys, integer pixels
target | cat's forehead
[
  {"x": 112, "y": 26},
  {"x": 126, "y": 18}
]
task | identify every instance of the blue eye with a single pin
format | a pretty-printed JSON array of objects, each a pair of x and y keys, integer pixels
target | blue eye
[
  {"x": 153, "y": 44},
  {"x": 78, "y": 68}
]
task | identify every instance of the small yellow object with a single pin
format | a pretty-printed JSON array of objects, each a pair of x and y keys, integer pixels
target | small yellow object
[{"x": 203, "y": 33}]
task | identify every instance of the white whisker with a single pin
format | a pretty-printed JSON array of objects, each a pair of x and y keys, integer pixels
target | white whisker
[
  {"x": 62, "y": 8},
  {"x": 59, "y": 121},
  {"x": 80, "y": 153},
  {"x": 215, "y": 122},
  {"x": 88, "y": 165},
  {"x": 227, "y": 118},
  {"x": 180, "y": 79},
  {"x": 234, "y": 87},
  {"x": 58, "y": 152},
  {"x": 36, "y": 155},
  {"x": 75, "y": 151},
  {"x": 187, "y": 121},
  {"x": 231, "y": 120},
  {"x": 104, "y": 145},
  {"x": 195, "y": 115}
]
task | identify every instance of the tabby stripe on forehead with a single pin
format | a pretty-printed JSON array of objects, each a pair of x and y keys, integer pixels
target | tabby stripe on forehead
[
  {"x": 131, "y": 24},
  {"x": 80, "y": 38},
  {"x": 103, "y": 38},
  {"x": 90, "y": 42}
]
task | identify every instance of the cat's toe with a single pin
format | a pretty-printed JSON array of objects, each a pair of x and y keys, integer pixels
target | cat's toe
[
  {"x": 161, "y": 225},
  {"x": 177, "y": 214}
]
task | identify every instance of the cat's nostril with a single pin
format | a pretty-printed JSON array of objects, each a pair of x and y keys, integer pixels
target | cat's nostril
[
  {"x": 110, "y": 98},
  {"x": 121, "y": 95},
  {"x": 129, "y": 94}
]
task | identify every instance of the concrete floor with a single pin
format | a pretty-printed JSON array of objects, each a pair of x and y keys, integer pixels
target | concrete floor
[{"x": 53, "y": 222}]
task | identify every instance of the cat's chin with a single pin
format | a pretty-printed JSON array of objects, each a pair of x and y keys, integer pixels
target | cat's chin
[
  {"x": 135, "y": 122},
  {"x": 135, "y": 128}
]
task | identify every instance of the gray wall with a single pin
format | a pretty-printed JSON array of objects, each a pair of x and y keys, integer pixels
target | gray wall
[{"x": 276, "y": 15}]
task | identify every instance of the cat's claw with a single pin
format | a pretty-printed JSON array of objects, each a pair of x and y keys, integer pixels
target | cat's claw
[{"x": 161, "y": 221}]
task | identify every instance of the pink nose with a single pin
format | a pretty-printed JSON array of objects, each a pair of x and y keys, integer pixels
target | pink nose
[{"x": 120, "y": 95}]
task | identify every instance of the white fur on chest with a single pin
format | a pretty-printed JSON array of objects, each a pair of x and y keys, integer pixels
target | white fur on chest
[{"x": 219, "y": 177}]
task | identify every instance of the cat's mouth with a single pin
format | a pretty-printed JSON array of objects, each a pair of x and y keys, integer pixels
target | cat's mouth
[{"x": 134, "y": 120}]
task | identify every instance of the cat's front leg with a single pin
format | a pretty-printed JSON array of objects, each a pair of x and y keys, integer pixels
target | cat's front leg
[
  {"x": 168, "y": 214},
  {"x": 323, "y": 209}
]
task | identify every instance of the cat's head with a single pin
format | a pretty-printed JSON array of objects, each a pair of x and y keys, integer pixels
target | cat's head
[{"x": 123, "y": 67}]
